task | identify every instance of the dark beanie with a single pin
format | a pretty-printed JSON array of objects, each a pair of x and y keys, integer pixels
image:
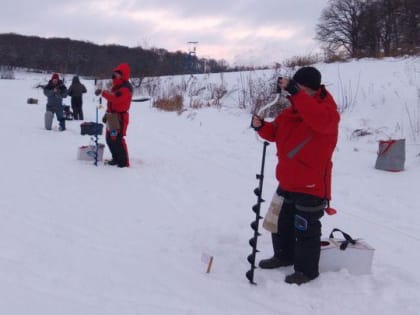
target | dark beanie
[{"x": 309, "y": 77}]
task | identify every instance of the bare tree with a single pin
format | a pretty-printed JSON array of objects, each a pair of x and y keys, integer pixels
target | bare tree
[
  {"x": 391, "y": 15},
  {"x": 372, "y": 28},
  {"x": 340, "y": 26},
  {"x": 410, "y": 26},
  {"x": 370, "y": 25}
]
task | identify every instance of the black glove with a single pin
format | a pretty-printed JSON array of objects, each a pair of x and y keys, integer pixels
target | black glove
[
  {"x": 292, "y": 87},
  {"x": 104, "y": 119},
  {"x": 98, "y": 92}
]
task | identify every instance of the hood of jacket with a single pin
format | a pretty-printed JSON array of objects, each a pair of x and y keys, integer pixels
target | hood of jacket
[
  {"x": 75, "y": 80},
  {"x": 124, "y": 68}
]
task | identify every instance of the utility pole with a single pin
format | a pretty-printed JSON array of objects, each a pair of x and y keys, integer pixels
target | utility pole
[{"x": 192, "y": 57}]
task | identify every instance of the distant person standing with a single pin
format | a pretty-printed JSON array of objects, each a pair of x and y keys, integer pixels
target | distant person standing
[
  {"x": 76, "y": 91},
  {"x": 55, "y": 91},
  {"x": 116, "y": 117}
]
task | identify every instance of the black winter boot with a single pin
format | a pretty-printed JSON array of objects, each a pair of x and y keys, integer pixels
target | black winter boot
[
  {"x": 112, "y": 162},
  {"x": 274, "y": 262},
  {"x": 62, "y": 124},
  {"x": 297, "y": 278}
]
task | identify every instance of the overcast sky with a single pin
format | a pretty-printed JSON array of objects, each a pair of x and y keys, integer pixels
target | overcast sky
[{"x": 244, "y": 32}]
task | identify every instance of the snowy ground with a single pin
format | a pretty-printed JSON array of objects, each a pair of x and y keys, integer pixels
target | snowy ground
[{"x": 80, "y": 239}]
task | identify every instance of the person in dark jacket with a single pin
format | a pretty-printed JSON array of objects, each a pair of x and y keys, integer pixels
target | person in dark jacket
[
  {"x": 55, "y": 91},
  {"x": 117, "y": 117},
  {"x": 76, "y": 91},
  {"x": 305, "y": 135}
]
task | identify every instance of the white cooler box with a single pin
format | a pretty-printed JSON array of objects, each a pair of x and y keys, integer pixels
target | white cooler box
[
  {"x": 354, "y": 255},
  {"x": 87, "y": 152}
]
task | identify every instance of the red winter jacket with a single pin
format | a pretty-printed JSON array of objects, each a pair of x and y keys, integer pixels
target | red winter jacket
[
  {"x": 305, "y": 135},
  {"x": 119, "y": 99}
]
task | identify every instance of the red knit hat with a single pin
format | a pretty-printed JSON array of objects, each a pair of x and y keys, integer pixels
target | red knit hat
[{"x": 55, "y": 76}]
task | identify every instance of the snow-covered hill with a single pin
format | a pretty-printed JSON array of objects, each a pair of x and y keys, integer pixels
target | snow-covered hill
[{"x": 80, "y": 239}]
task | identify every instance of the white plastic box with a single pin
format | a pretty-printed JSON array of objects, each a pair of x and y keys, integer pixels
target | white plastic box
[
  {"x": 87, "y": 152},
  {"x": 356, "y": 258}
]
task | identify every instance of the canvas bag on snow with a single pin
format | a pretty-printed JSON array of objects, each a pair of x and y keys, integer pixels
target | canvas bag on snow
[
  {"x": 32, "y": 100},
  {"x": 391, "y": 155},
  {"x": 91, "y": 128}
]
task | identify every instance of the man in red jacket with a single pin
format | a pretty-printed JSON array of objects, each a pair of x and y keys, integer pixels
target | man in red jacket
[
  {"x": 117, "y": 117},
  {"x": 305, "y": 135}
]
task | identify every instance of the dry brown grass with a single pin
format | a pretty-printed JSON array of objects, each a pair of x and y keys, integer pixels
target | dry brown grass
[
  {"x": 171, "y": 104},
  {"x": 301, "y": 61},
  {"x": 336, "y": 57},
  {"x": 196, "y": 104}
]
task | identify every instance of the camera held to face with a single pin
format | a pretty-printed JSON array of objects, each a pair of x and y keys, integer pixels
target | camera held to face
[{"x": 278, "y": 88}]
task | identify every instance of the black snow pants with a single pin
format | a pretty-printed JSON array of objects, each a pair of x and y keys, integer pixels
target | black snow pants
[
  {"x": 118, "y": 147},
  {"x": 76, "y": 106},
  {"x": 299, "y": 231}
]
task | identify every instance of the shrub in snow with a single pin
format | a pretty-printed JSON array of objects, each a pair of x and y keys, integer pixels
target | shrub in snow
[
  {"x": 7, "y": 73},
  {"x": 170, "y": 104},
  {"x": 301, "y": 61}
]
